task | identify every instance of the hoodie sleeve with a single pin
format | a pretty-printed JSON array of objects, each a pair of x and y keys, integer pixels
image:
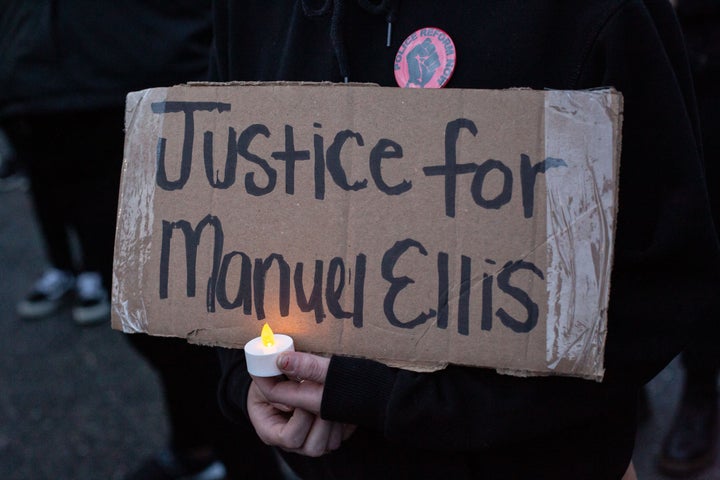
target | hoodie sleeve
[{"x": 234, "y": 384}]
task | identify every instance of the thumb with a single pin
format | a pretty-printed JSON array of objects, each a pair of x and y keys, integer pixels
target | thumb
[{"x": 303, "y": 366}]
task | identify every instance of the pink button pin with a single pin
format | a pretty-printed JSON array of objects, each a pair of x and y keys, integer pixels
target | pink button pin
[{"x": 426, "y": 59}]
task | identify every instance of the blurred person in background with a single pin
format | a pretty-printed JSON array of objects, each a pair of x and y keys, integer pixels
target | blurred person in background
[
  {"x": 12, "y": 176},
  {"x": 690, "y": 444},
  {"x": 65, "y": 71}
]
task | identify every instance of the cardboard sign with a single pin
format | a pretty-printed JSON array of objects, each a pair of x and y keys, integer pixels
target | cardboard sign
[{"x": 415, "y": 227}]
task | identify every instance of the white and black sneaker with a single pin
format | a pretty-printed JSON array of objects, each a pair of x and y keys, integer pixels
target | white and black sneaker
[
  {"x": 51, "y": 291},
  {"x": 91, "y": 300}
]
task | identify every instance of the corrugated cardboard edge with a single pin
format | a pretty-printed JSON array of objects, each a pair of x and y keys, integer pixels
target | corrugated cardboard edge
[{"x": 279, "y": 83}]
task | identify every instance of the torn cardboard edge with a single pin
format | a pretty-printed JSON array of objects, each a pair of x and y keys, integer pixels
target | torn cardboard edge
[
  {"x": 277, "y": 83},
  {"x": 137, "y": 225}
]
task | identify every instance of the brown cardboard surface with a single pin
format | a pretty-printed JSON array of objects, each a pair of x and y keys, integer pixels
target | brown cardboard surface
[{"x": 415, "y": 227}]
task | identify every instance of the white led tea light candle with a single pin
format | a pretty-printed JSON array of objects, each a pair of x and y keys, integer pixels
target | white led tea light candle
[{"x": 261, "y": 352}]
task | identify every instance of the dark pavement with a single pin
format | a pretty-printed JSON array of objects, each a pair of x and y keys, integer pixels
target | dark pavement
[
  {"x": 79, "y": 403},
  {"x": 75, "y": 403}
]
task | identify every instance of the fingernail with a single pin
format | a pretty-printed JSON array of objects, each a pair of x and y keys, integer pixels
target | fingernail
[{"x": 283, "y": 362}]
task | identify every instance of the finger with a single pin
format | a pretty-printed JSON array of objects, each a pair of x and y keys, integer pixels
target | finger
[
  {"x": 275, "y": 427},
  {"x": 336, "y": 437},
  {"x": 316, "y": 442},
  {"x": 306, "y": 395},
  {"x": 294, "y": 433},
  {"x": 304, "y": 366},
  {"x": 282, "y": 407},
  {"x": 348, "y": 430},
  {"x": 265, "y": 384},
  {"x": 263, "y": 416},
  {"x": 286, "y": 432}
]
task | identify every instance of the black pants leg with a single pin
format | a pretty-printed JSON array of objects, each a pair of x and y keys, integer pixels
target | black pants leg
[{"x": 74, "y": 161}]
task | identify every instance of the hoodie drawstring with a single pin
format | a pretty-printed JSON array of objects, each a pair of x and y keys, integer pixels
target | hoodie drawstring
[{"x": 386, "y": 7}]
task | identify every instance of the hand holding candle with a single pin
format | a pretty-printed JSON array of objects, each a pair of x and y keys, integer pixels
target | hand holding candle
[
  {"x": 261, "y": 352},
  {"x": 297, "y": 427}
]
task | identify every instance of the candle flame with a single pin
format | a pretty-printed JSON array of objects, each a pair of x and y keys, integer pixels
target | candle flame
[{"x": 267, "y": 337}]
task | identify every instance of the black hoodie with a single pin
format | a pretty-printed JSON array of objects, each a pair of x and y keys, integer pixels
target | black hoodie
[{"x": 474, "y": 423}]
